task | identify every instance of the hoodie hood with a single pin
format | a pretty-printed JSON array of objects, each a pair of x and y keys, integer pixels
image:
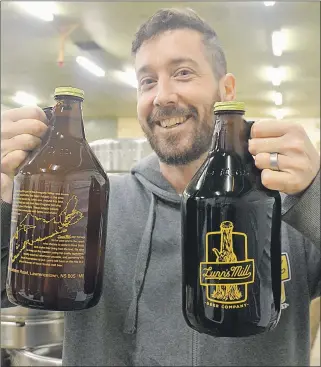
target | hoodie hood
[{"x": 147, "y": 172}]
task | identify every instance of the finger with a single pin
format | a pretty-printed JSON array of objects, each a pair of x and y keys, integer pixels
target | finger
[
  {"x": 12, "y": 161},
  {"x": 275, "y": 180},
  {"x": 20, "y": 142},
  {"x": 285, "y": 163},
  {"x": 270, "y": 128},
  {"x": 24, "y": 126},
  {"x": 22, "y": 113},
  {"x": 267, "y": 145},
  {"x": 6, "y": 188}
]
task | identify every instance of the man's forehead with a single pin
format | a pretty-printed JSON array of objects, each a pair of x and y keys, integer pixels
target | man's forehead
[
  {"x": 172, "y": 62},
  {"x": 170, "y": 48}
]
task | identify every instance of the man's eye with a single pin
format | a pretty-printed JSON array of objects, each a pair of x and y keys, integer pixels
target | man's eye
[
  {"x": 183, "y": 72},
  {"x": 147, "y": 81}
]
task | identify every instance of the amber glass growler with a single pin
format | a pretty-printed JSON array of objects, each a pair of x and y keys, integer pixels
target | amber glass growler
[
  {"x": 59, "y": 217},
  {"x": 231, "y": 237}
]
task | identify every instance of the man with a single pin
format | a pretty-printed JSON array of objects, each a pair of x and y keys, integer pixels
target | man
[{"x": 181, "y": 71}]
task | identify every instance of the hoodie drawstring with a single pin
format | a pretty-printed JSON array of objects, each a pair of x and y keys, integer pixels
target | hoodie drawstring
[{"x": 141, "y": 266}]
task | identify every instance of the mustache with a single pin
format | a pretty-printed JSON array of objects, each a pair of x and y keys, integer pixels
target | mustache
[{"x": 162, "y": 113}]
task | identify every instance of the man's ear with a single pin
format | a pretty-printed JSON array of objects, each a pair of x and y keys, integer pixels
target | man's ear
[{"x": 227, "y": 87}]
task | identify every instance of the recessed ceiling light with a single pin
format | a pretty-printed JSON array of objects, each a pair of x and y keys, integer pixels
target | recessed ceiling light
[
  {"x": 278, "y": 98},
  {"x": 44, "y": 10},
  {"x": 90, "y": 66},
  {"x": 279, "y": 114},
  {"x": 269, "y": 3},
  {"x": 25, "y": 99},
  {"x": 277, "y": 43},
  {"x": 128, "y": 76},
  {"x": 276, "y": 75}
]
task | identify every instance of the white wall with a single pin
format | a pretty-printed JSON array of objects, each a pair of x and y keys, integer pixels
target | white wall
[{"x": 128, "y": 127}]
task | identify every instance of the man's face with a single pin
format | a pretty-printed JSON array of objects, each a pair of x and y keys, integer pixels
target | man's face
[{"x": 176, "y": 93}]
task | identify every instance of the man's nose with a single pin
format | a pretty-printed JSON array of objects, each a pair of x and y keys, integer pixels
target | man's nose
[{"x": 165, "y": 96}]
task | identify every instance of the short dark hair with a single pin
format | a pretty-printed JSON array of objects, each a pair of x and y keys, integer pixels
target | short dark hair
[{"x": 173, "y": 18}]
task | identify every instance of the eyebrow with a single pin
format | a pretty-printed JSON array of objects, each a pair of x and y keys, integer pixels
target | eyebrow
[{"x": 173, "y": 62}]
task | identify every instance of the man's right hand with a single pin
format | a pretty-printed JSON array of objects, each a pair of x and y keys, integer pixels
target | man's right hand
[{"x": 21, "y": 132}]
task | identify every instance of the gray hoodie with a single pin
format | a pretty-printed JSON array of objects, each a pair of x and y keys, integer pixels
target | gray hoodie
[{"x": 139, "y": 321}]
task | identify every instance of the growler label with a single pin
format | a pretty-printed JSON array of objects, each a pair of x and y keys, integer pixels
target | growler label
[
  {"x": 49, "y": 231},
  {"x": 227, "y": 270}
]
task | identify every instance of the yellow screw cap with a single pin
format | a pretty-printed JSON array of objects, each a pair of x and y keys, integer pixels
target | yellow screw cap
[
  {"x": 229, "y": 106},
  {"x": 69, "y": 91}
]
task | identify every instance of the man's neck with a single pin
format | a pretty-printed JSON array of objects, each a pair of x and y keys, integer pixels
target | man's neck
[{"x": 180, "y": 176}]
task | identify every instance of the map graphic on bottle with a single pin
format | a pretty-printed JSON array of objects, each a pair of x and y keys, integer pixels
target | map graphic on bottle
[{"x": 67, "y": 217}]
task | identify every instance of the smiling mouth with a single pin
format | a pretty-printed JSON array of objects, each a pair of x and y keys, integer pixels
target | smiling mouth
[{"x": 173, "y": 122}]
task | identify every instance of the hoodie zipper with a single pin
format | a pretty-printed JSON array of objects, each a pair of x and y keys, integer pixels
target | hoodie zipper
[{"x": 194, "y": 348}]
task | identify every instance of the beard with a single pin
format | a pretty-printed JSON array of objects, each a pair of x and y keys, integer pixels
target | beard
[{"x": 179, "y": 148}]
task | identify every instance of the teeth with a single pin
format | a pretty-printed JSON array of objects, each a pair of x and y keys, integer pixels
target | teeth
[{"x": 173, "y": 121}]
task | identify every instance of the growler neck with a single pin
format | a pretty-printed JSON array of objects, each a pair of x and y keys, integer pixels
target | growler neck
[
  {"x": 230, "y": 135},
  {"x": 67, "y": 119}
]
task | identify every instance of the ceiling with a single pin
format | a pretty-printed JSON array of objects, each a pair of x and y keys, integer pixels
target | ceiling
[{"x": 30, "y": 46}]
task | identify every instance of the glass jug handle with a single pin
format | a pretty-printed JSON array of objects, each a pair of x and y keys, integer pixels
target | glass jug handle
[
  {"x": 48, "y": 112},
  {"x": 249, "y": 125}
]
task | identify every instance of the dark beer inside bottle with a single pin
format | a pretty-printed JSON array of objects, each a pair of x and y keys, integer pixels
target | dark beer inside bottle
[
  {"x": 231, "y": 239},
  {"x": 59, "y": 219}
]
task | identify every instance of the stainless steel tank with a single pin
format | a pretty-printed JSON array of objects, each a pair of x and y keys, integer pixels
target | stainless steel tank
[
  {"x": 49, "y": 355},
  {"x": 119, "y": 155},
  {"x": 24, "y": 327}
]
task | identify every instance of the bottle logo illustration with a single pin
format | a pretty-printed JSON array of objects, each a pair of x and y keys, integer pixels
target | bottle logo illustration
[{"x": 227, "y": 270}]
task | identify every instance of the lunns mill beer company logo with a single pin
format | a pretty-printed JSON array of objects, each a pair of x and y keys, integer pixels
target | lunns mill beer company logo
[{"x": 227, "y": 271}]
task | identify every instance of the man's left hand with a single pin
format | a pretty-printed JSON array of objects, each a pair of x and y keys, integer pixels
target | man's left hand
[{"x": 298, "y": 159}]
